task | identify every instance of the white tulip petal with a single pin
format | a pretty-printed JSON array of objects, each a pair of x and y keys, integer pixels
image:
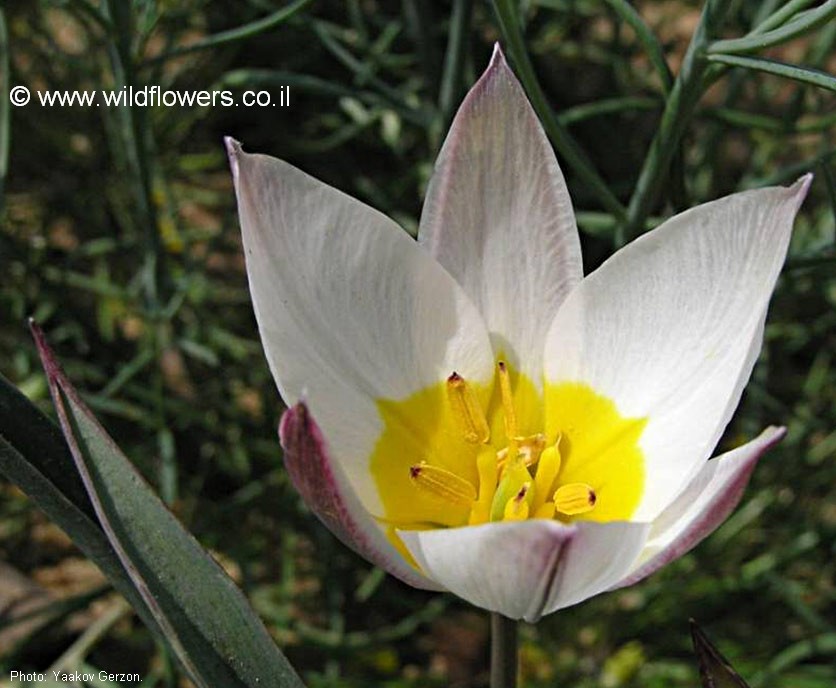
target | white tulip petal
[
  {"x": 598, "y": 556},
  {"x": 701, "y": 507},
  {"x": 524, "y": 569},
  {"x": 349, "y": 308},
  {"x": 669, "y": 328},
  {"x": 322, "y": 484},
  {"x": 505, "y": 567},
  {"x": 498, "y": 216}
]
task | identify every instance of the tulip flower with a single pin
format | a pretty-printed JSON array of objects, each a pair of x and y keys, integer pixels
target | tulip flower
[{"x": 473, "y": 414}]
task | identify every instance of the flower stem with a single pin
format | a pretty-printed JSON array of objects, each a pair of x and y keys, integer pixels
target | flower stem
[{"x": 503, "y": 651}]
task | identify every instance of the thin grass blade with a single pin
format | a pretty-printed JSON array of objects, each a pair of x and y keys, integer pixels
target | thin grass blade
[{"x": 805, "y": 75}]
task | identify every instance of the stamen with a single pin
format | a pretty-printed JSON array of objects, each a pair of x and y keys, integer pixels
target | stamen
[
  {"x": 488, "y": 473},
  {"x": 547, "y": 469},
  {"x": 574, "y": 499},
  {"x": 516, "y": 508},
  {"x": 508, "y": 408},
  {"x": 443, "y": 484},
  {"x": 467, "y": 410}
]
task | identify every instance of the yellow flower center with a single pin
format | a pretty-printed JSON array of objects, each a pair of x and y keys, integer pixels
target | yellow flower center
[{"x": 454, "y": 454}]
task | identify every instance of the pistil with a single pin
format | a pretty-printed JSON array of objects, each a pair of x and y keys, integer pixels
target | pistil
[{"x": 514, "y": 478}]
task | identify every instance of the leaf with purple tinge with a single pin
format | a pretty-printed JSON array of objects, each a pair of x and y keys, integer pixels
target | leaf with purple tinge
[
  {"x": 207, "y": 620},
  {"x": 715, "y": 670},
  {"x": 35, "y": 457}
]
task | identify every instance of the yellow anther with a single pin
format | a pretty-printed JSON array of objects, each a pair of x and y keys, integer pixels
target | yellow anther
[
  {"x": 488, "y": 473},
  {"x": 517, "y": 508},
  {"x": 508, "y": 408},
  {"x": 574, "y": 498},
  {"x": 547, "y": 469},
  {"x": 442, "y": 484},
  {"x": 467, "y": 410}
]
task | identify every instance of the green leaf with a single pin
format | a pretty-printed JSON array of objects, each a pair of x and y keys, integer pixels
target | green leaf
[
  {"x": 804, "y": 23},
  {"x": 34, "y": 456},
  {"x": 715, "y": 670},
  {"x": 454, "y": 58},
  {"x": 655, "y": 52},
  {"x": 239, "y": 33},
  {"x": 205, "y": 617},
  {"x": 507, "y": 13},
  {"x": 806, "y": 75},
  {"x": 780, "y": 16}
]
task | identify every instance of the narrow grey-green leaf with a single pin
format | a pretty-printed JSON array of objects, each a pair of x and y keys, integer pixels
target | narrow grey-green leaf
[
  {"x": 804, "y": 23},
  {"x": 806, "y": 75},
  {"x": 507, "y": 13},
  {"x": 779, "y": 17},
  {"x": 647, "y": 37},
  {"x": 239, "y": 33},
  {"x": 715, "y": 670},
  {"x": 34, "y": 456},
  {"x": 205, "y": 617}
]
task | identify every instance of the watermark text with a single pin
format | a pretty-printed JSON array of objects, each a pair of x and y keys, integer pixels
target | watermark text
[
  {"x": 73, "y": 676},
  {"x": 150, "y": 96}
]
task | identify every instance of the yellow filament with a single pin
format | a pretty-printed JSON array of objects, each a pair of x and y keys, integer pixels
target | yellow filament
[
  {"x": 517, "y": 508},
  {"x": 488, "y": 473},
  {"x": 443, "y": 484},
  {"x": 508, "y": 408},
  {"x": 467, "y": 410},
  {"x": 547, "y": 469},
  {"x": 574, "y": 498},
  {"x": 544, "y": 510}
]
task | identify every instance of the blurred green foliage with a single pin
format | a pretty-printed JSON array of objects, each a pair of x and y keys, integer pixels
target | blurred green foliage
[{"x": 119, "y": 235}]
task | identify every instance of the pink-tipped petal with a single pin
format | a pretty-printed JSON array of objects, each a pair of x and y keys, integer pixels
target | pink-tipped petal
[
  {"x": 498, "y": 216},
  {"x": 232, "y": 149},
  {"x": 325, "y": 490},
  {"x": 525, "y": 569},
  {"x": 702, "y": 506},
  {"x": 351, "y": 311},
  {"x": 599, "y": 555},
  {"x": 506, "y": 567},
  {"x": 670, "y": 327}
]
